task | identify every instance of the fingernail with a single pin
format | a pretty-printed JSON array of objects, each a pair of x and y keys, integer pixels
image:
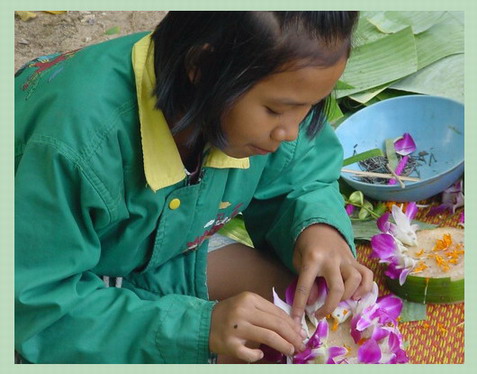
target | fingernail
[
  {"x": 302, "y": 347},
  {"x": 303, "y": 334},
  {"x": 292, "y": 352}
]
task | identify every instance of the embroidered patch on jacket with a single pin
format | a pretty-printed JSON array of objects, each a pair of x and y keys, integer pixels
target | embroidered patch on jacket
[
  {"x": 212, "y": 227},
  {"x": 53, "y": 64}
]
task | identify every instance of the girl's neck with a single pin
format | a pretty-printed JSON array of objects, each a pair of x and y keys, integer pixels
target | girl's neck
[{"x": 190, "y": 154}]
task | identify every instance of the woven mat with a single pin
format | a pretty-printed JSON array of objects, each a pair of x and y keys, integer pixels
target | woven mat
[{"x": 440, "y": 338}]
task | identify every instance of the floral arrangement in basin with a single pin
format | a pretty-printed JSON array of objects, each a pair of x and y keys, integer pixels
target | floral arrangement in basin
[{"x": 357, "y": 332}]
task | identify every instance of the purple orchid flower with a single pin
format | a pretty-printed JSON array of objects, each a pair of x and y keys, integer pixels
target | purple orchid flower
[
  {"x": 403, "y": 230},
  {"x": 309, "y": 309},
  {"x": 452, "y": 199},
  {"x": 349, "y": 209},
  {"x": 396, "y": 271},
  {"x": 387, "y": 351},
  {"x": 314, "y": 342},
  {"x": 335, "y": 352},
  {"x": 388, "y": 246},
  {"x": 272, "y": 355},
  {"x": 403, "y": 146},
  {"x": 383, "y": 247},
  {"x": 395, "y": 345},
  {"x": 369, "y": 352},
  {"x": 386, "y": 310},
  {"x": 399, "y": 169}
]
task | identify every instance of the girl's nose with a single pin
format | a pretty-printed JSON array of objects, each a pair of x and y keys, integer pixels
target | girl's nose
[{"x": 285, "y": 132}]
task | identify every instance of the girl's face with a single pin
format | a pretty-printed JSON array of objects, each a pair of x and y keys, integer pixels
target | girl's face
[{"x": 271, "y": 111}]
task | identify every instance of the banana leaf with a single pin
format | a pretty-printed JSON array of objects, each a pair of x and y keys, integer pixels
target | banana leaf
[
  {"x": 377, "y": 59},
  {"x": 380, "y": 62},
  {"x": 392, "y": 21},
  {"x": 441, "y": 40},
  {"x": 442, "y": 78}
]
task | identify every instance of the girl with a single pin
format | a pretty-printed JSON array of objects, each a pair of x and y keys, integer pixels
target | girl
[{"x": 132, "y": 154}]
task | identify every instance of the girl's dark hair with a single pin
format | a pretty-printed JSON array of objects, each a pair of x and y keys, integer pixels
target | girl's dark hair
[{"x": 229, "y": 52}]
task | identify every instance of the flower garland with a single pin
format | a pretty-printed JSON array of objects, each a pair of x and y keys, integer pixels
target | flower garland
[
  {"x": 389, "y": 246},
  {"x": 374, "y": 329}
]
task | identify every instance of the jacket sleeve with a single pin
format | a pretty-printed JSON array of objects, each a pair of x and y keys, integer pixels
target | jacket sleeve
[
  {"x": 63, "y": 311},
  {"x": 299, "y": 187}
]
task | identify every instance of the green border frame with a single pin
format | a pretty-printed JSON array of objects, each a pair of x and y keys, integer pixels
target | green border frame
[{"x": 7, "y": 187}]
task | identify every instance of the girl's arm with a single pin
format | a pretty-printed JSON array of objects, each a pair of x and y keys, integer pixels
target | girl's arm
[{"x": 63, "y": 311}]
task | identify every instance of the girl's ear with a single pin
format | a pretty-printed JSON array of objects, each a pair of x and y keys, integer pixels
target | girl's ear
[{"x": 194, "y": 59}]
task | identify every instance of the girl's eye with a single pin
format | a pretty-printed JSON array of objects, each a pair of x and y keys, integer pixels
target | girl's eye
[{"x": 272, "y": 112}]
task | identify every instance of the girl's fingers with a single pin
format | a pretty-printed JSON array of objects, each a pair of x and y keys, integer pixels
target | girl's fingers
[
  {"x": 352, "y": 280},
  {"x": 314, "y": 293},
  {"x": 272, "y": 339},
  {"x": 285, "y": 329},
  {"x": 334, "y": 282},
  {"x": 281, "y": 319},
  {"x": 366, "y": 282},
  {"x": 305, "y": 282},
  {"x": 248, "y": 354}
]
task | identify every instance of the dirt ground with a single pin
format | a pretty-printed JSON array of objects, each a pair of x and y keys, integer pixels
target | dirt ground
[{"x": 49, "y": 33}]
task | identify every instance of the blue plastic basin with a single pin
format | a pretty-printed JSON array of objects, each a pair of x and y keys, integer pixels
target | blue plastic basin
[{"x": 436, "y": 125}]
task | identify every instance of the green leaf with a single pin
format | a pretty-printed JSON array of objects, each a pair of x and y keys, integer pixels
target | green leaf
[
  {"x": 413, "y": 312},
  {"x": 390, "y": 93},
  {"x": 334, "y": 112},
  {"x": 365, "y": 230},
  {"x": 364, "y": 211},
  {"x": 362, "y": 156},
  {"x": 235, "y": 229},
  {"x": 391, "y": 153},
  {"x": 365, "y": 96},
  {"x": 113, "y": 30},
  {"x": 366, "y": 32},
  {"x": 437, "y": 37},
  {"x": 380, "y": 208},
  {"x": 441, "y": 40},
  {"x": 379, "y": 62},
  {"x": 340, "y": 85},
  {"x": 442, "y": 78},
  {"x": 356, "y": 198},
  {"x": 394, "y": 21}
]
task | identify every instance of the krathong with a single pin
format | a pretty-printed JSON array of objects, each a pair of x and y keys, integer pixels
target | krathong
[
  {"x": 370, "y": 326},
  {"x": 438, "y": 276},
  {"x": 424, "y": 266}
]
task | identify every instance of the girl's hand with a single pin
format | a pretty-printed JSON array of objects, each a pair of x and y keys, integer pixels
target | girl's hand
[
  {"x": 320, "y": 250},
  {"x": 241, "y": 323}
]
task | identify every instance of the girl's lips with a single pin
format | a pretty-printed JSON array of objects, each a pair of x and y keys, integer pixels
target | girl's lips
[{"x": 260, "y": 151}]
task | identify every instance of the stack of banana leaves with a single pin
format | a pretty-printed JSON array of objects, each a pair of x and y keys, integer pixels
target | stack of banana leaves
[{"x": 399, "y": 53}]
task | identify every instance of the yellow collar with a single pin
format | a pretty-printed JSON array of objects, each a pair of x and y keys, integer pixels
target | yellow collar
[{"x": 163, "y": 166}]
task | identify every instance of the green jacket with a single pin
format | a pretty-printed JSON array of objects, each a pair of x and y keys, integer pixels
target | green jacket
[{"x": 100, "y": 191}]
